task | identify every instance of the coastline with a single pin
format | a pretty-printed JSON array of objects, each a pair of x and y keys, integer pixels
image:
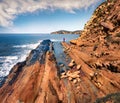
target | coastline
[
  {"x": 77, "y": 32},
  {"x": 86, "y": 70},
  {"x": 41, "y": 70}
]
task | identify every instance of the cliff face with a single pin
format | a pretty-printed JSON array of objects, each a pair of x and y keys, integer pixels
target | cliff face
[
  {"x": 104, "y": 24},
  {"x": 101, "y": 36},
  {"x": 97, "y": 50},
  {"x": 94, "y": 70},
  {"x": 33, "y": 81}
]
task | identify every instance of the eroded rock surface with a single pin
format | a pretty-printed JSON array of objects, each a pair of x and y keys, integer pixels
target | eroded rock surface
[
  {"x": 94, "y": 69},
  {"x": 97, "y": 50},
  {"x": 33, "y": 81}
]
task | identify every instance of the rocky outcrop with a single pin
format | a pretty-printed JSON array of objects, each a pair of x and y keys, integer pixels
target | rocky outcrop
[
  {"x": 100, "y": 38},
  {"x": 98, "y": 76},
  {"x": 104, "y": 23},
  {"x": 33, "y": 81},
  {"x": 39, "y": 80},
  {"x": 92, "y": 75},
  {"x": 97, "y": 50},
  {"x": 66, "y": 32}
]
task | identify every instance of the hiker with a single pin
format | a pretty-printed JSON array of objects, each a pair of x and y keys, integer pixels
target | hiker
[{"x": 63, "y": 39}]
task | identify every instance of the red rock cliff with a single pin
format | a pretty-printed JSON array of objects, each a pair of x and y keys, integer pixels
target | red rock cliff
[{"x": 94, "y": 70}]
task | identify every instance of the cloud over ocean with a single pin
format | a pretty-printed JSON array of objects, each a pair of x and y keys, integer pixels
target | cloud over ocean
[{"x": 9, "y": 9}]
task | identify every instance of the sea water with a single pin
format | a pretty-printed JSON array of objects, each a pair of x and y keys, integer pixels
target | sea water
[{"x": 16, "y": 47}]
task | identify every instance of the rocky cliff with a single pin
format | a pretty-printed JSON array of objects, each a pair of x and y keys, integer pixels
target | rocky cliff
[
  {"x": 66, "y": 32},
  {"x": 98, "y": 48},
  {"x": 93, "y": 70},
  {"x": 34, "y": 80}
]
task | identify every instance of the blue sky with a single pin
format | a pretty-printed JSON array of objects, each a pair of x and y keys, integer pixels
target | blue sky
[{"x": 45, "y": 18}]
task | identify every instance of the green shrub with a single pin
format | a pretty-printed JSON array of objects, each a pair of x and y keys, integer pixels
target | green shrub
[{"x": 115, "y": 97}]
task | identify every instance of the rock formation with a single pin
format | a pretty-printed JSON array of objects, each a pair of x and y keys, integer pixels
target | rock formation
[
  {"x": 34, "y": 80},
  {"x": 94, "y": 69},
  {"x": 97, "y": 50}
]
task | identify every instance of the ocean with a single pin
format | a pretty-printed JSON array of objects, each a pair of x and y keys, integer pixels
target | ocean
[{"x": 16, "y": 47}]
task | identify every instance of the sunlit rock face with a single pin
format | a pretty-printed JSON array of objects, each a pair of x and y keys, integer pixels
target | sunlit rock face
[{"x": 92, "y": 73}]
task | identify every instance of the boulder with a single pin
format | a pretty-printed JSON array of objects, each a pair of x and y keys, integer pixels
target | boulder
[
  {"x": 99, "y": 84},
  {"x": 76, "y": 72},
  {"x": 71, "y": 64},
  {"x": 63, "y": 73},
  {"x": 91, "y": 74},
  {"x": 70, "y": 78},
  {"x": 68, "y": 73},
  {"x": 75, "y": 76},
  {"x": 108, "y": 25},
  {"x": 78, "y": 67},
  {"x": 74, "y": 81},
  {"x": 78, "y": 79},
  {"x": 118, "y": 17},
  {"x": 63, "y": 76},
  {"x": 78, "y": 87},
  {"x": 72, "y": 61},
  {"x": 61, "y": 65},
  {"x": 73, "y": 42}
]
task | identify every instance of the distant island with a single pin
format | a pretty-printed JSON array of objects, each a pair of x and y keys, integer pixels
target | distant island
[{"x": 66, "y": 32}]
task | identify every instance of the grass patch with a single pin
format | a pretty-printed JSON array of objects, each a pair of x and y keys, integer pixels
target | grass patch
[{"x": 114, "y": 97}]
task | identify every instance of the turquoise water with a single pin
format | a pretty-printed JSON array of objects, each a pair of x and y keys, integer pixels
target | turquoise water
[{"x": 16, "y": 47}]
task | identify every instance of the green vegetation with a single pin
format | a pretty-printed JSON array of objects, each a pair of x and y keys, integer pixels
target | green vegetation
[{"x": 114, "y": 98}]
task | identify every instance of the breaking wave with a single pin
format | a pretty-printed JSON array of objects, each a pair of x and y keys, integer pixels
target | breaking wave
[{"x": 9, "y": 61}]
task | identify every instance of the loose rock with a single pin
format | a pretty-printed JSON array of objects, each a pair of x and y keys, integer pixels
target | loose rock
[
  {"x": 71, "y": 64},
  {"x": 78, "y": 67},
  {"x": 74, "y": 81}
]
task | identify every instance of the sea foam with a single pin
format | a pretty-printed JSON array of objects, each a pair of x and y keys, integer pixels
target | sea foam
[
  {"x": 10, "y": 61},
  {"x": 29, "y": 46}
]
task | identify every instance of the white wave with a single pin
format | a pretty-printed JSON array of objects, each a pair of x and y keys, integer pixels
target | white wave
[
  {"x": 28, "y": 46},
  {"x": 8, "y": 57},
  {"x": 54, "y": 40},
  {"x": 20, "y": 46},
  {"x": 10, "y": 61}
]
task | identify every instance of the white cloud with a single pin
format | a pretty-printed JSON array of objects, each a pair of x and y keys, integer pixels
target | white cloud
[{"x": 9, "y": 9}]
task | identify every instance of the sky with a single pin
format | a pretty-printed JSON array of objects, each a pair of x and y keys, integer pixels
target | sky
[{"x": 45, "y": 16}]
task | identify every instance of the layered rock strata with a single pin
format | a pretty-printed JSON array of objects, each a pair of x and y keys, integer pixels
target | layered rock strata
[
  {"x": 97, "y": 50},
  {"x": 94, "y": 70},
  {"x": 34, "y": 80}
]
